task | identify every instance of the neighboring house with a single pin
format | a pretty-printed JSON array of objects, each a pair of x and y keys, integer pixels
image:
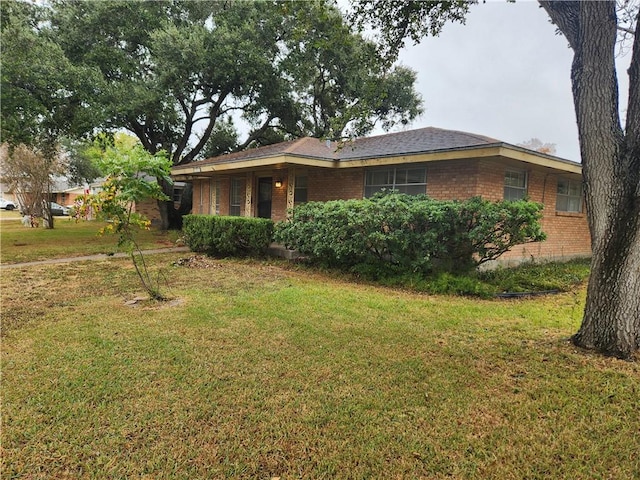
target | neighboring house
[
  {"x": 148, "y": 208},
  {"x": 444, "y": 164},
  {"x": 7, "y": 193},
  {"x": 66, "y": 194}
]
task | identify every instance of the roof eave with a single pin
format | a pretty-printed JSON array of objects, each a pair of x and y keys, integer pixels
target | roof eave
[{"x": 503, "y": 150}]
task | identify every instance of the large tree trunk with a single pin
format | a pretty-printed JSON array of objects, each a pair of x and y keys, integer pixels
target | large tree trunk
[
  {"x": 611, "y": 174},
  {"x": 171, "y": 217}
]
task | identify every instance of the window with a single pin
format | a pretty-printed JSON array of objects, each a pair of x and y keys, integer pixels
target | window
[
  {"x": 515, "y": 185},
  {"x": 569, "y": 196},
  {"x": 412, "y": 181},
  {"x": 300, "y": 191},
  {"x": 235, "y": 200},
  {"x": 177, "y": 195}
]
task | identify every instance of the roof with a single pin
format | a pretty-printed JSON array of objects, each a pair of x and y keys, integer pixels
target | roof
[
  {"x": 428, "y": 143},
  {"x": 427, "y": 139},
  {"x": 305, "y": 147}
]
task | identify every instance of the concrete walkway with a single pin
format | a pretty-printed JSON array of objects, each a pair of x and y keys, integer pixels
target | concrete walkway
[{"x": 101, "y": 256}]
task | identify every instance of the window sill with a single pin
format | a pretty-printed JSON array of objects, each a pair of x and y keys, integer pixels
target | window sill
[{"x": 569, "y": 214}]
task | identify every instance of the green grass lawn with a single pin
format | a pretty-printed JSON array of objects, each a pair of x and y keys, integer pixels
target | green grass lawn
[
  {"x": 68, "y": 238},
  {"x": 260, "y": 370}
]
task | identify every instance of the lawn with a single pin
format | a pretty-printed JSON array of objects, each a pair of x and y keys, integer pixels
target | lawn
[
  {"x": 68, "y": 238},
  {"x": 258, "y": 369}
]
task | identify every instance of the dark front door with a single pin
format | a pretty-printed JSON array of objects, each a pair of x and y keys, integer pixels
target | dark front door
[{"x": 264, "y": 197}]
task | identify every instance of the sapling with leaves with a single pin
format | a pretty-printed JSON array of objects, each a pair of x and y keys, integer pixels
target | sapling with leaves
[{"x": 131, "y": 174}]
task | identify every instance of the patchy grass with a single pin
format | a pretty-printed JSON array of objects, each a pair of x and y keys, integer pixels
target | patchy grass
[
  {"x": 264, "y": 371},
  {"x": 535, "y": 277},
  {"x": 528, "y": 277},
  {"x": 68, "y": 239}
]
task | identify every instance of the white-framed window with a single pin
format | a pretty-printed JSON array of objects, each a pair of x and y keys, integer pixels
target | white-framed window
[
  {"x": 569, "y": 195},
  {"x": 409, "y": 180},
  {"x": 515, "y": 185},
  {"x": 300, "y": 190},
  {"x": 235, "y": 200}
]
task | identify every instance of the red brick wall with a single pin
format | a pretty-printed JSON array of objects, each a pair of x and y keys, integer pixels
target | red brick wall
[
  {"x": 341, "y": 184},
  {"x": 454, "y": 180},
  {"x": 279, "y": 196},
  {"x": 567, "y": 233},
  {"x": 149, "y": 208},
  {"x": 490, "y": 184}
]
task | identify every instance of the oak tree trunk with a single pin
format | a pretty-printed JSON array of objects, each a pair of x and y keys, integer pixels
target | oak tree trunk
[
  {"x": 170, "y": 216},
  {"x": 611, "y": 175}
]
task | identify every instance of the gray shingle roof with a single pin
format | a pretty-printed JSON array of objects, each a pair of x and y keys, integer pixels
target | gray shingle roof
[
  {"x": 422, "y": 140},
  {"x": 427, "y": 139}
]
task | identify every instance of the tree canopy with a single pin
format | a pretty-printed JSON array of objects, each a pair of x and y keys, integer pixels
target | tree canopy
[
  {"x": 194, "y": 78},
  {"x": 43, "y": 93},
  {"x": 177, "y": 73}
]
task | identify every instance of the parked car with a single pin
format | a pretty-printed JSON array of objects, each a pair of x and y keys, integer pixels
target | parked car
[
  {"x": 7, "y": 204},
  {"x": 58, "y": 210}
]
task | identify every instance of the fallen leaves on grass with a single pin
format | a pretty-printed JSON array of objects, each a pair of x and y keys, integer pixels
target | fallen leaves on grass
[{"x": 197, "y": 261}]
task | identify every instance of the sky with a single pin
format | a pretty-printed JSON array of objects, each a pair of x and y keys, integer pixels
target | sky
[{"x": 504, "y": 74}]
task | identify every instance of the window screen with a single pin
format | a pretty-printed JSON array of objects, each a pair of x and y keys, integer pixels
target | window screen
[
  {"x": 412, "y": 181},
  {"x": 515, "y": 185},
  {"x": 569, "y": 196}
]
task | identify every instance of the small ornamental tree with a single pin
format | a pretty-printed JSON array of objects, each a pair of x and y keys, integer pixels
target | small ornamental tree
[
  {"x": 131, "y": 174},
  {"x": 29, "y": 172}
]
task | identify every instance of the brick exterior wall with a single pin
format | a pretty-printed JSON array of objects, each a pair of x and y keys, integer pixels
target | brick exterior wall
[
  {"x": 325, "y": 185},
  {"x": 567, "y": 233},
  {"x": 279, "y": 196},
  {"x": 149, "y": 208},
  {"x": 455, "y": 180}
]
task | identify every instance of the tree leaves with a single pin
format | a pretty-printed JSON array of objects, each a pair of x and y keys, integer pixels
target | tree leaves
[{"x": 170, "y": 71}]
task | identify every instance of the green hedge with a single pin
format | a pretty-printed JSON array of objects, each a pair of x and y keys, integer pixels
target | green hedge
[
  {"x": 409, "y": 233},
  {"x": 227, "y": 236}
]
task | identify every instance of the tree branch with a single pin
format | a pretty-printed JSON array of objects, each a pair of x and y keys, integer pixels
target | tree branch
[
  {"x": 213, "y": 115},
  {"x": 139, "y": 130},
  {"x": 626, "y": 30},
  {"x": 566, "y": 16},
  {"x": 255, "y": 134}
]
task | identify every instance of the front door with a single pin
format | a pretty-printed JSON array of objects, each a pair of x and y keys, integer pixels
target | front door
[{"x": 264, "y": 197}]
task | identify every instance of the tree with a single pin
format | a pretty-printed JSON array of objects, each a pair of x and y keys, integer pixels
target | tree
[
  {"x": 29, "y": 173},
  {"x": 611, "y": 170},
  {"x": 130, "y": 179},
  {"x": 610, "y": 152},
  {"x": 42, "y": 92},
  {"x": 40, "y": 101},
  {"x": 175, "y": 73},
  {"x": 81, "y": 169},
  {"x": 537, "y": 145}
]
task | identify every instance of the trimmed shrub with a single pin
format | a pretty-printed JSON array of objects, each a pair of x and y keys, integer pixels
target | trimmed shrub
[
  {"x": 227, "y": 236},
  {"x": 406, "y": 233}
]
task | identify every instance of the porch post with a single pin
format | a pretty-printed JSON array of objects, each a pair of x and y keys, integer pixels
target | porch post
[
  {"x": 213, "y": 190},
  {"x": 291, "y": 189},
  {"x": 248, "y": 204}
]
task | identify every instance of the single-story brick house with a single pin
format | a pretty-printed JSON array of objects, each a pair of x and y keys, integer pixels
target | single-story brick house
[{"x": 444, "y": 164}]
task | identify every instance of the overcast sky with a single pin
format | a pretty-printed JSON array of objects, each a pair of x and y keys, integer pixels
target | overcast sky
[{"x": 505, "y": 74}]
